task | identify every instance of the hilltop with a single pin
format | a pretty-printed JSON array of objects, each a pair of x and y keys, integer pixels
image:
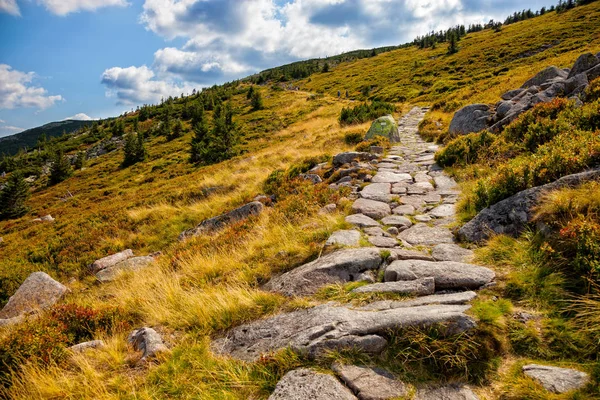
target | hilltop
[{"x": 197, "y": 291}]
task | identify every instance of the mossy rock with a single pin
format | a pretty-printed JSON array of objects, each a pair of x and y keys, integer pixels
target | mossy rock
[{"x": 384, "y": 126}]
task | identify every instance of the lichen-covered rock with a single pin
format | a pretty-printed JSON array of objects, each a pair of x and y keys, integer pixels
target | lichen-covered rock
[
  {"x": 422, "y": 234},
  {"x": 38, "y": 292},
  {"x": 377, "y": 191},
  {"x": 384, "y": 126},
  {"x": 472, "y": 118},
  {"x": 131, "y": 264},
  {"x": 510, "y": 216},
  {"x": 557, "y": 380},
  {"x": 371, "y": 208},
  {"x": 304, "y": 384},
  {"x": 417, "y": 287},
  {"x": 111, "y": 260},
  {"x": 446, "y": 393},
  {"x": 221, "y": 221},
  {"x": 338, "y": 267},
  {"x": 329, "y": 327},
  {"x": 447, "y": 274},
  {"x": 148, "y": 341},
  {"x": 371, "y": 383},
  {"x": 584, "y": 62}
]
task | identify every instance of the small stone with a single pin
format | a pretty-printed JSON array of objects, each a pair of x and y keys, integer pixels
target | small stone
[
  {"x": 81, "y": 347},
  {"x": 148, "y": 341},
  {"x": 391, "y": 177},
  {"x": 362, "y": 221},
  {"x": 417, "y": 287},
  {"x": 371, "y": 208},
  {"x": 328, "y": 209},
  {"x": 443, "y": 211},
  {"x": 377, "y": 191},
  {"x": 557, "y": 380},
  {"x": 111, "y": 260},
  {"x": 314, "y": 178},
  {"x": 375, "y": 231},
  {"x": 443, "y": 182},
  {"x": 421, "y": 234},
  {"x": 451, "y": 252},
  {"x": 304, "y": 384},
  {"x": 376, "y": 150},
  {"x": 131, "y": 264},
  {"x": 392, "y": 230},
  {"x": 404, "y": 209},
  {"x": 380, "y": 241},
  {"x": 422, "y": 218},
  {"x": 446, "y": 298},
  {"x": 370, "y": 384},
  {"x": 425, "y": 186},
  {"x": 350, "y": 238},
  {"x": 397, "y": 221},
  {"x": 446, "y": 393},
  {"x": 47, "y": 218}
]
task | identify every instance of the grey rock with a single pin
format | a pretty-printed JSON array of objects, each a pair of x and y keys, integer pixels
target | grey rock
[
  {"x": 447, "y": 274},
  {"x": 443, "y": 182},
  {"x": 503, "y": 108},
  {"x": 304, "y": 384},
  {"x": 338, "y": 267},
  {"x": 421, "y": 177},
  {"x": 446, "y": 298},
  {"x": 472, "y": 118},
  {"x": 377, "y": 191},
  {"x": 81, "y": 347},
  {"x": 397, "y": 221},
  {"x": 362, "y": 221},
  {"x": 405, "y": 209},
  {"x": 111, "y": 260},
  {"x": 421, "y": 234},
  {"x": 545, "y": 76},
  {"x": 369, "y": 383},
  {"x": 371, "y": 208},
  {"x": 38, "y": 292},
  {"x": 47, "y": 218},
  {"x": 6, "y": 322},
  {"x": 511, "y": 94},
  {"x": 384, "y": 242},
  {"x": 130, "y": 265},
  {"x": 368, "y": 276},
  {"x": 348, "y": 157},
  {"x": 451, "y": 252},
  {"x": 426, "y": 186},
  {"x": 392, "y": 230},
  {"x": 423, "y": 218},
  {"x": 314, "y": 178},
  {"x": 557, "y": 380},
  {"x": 148, "y": 341},
  {"x": 511, "y": 216},
  {"x": 391, "y": 177},
  {"x": 401, "y": 254},
  {"x": 446, "y": 393},
  {"x": 328, "y": 209},
  {"x": 377, "y": 150},
  {"x": 584, "y": 62},
  {"x": 221, "y": 221},
  {"x": 349, "y": 238},
  {"x": 576, "y": 84},
  {"x": 593, "y": 73},
  {"x": 443, "y": 211},
  {"x": 417, "y": 287},
  {"x": 328, "y": 327},
  {"x": 376, "y": 231}
]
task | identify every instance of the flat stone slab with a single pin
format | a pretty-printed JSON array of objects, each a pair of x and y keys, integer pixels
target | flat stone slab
[
  {"x": 376, "y": 231},
  {"x": 377, "y": 191},
  {"x": 130, "y": 265},
  {"x": 401, "y": 254},
  {"x": 397, "y": 221},
  {"x": 451, "y": 252},
  {"x": 557, "y": 380},
  {"x": 447, "y": 298},
  {"x": 362, "y": 221},
  {"x": 370, "y": 383},
  {"x": 391, "y": 177},
  {"x": 303, "y": 384},
  {"x": 447, "y": 274},
  {"x": 443, "y": 211},
  {"x": 387, "y": 165},
  {"x": 444, "y": 182},
  {"x": 382, "y": 241},
  {"x": 404, "y": 209},
  {"x": 423, "y": 218},
  {"x": 315, "y": 330},
  {"x": 371, "y": 208},
  {"x": 338, "y": 267},
  {"x": 421, "y": 234},
  {"x": 350, "y": 238},
  {"x": 38, "y": 292},
  {"x": 426, "y": 186},
  {"x": 417, "y": 287},
  {"x": 446, "y": 393},
  {"x": 111, "y": 260}
]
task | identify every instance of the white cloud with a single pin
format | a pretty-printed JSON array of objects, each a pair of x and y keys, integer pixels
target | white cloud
[
  {"x": 64, "y": 7},
  {"x": 136, "y": 85},
  {"x": 17, "y": 90},
  {"x": 10, "y": 7},
  {"x": 80, "y": 117},
  {"x": 2, "y": 121}
]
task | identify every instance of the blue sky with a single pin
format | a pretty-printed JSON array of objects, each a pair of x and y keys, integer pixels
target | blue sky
[{"x": 98, "y": 58}]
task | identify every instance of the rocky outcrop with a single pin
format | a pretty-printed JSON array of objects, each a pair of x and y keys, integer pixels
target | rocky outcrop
[
  {"x": 370, "y": 383},
  {"x": 386, "y": 127},
  {"x": 472, "y": 118},
  {"x": 549, "y": 74},
  {"x": 339, "y": 267},
  {"x": 148, "y": 341},
  {"x": 510, "y": 216},
  {"x": 557, "y": 380},
  {"x": 216, "y": 223},
  {"x": 304, "y": 384},
  {"x": 38, "y": 292},
  {"x": 330, "y": 327},
  {"x": 111, "y": 260},
  {"x": 447, "y": 274},
  {"x": 446, "y": 298},
  {"x": 585, "y": 62}
]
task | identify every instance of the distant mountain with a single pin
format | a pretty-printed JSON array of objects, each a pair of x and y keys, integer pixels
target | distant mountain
[{"x": 10, "y": 145}]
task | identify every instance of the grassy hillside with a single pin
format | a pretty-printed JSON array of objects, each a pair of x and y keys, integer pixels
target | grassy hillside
[{"x": 201, "y": 287}]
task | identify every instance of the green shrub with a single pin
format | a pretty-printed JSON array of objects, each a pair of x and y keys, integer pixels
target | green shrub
[
  {"x": 365, "y": 112},
  {"x": 592, "y": 92},
  {"x": 465, "y": 150},
  {"x": 376, "y": 141},
  {"x": 278, "y": 181},
  {"x": 353, "y": 138}
]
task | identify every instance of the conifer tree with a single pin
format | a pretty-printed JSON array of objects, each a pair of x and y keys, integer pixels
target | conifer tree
[
  {"x": 250, "y": 92},
  {"x": 453, "y": 46},
  {"x": 60, "y": 169},
  {"x": 257, "y": 101},
  {"x": 134, "y": 149},
  {"x": 176, "y": 131},
  {"x": 13, "y": 197},
  {"x": 325, "y": 68},
  {"x": 80, "y": 160},
  {"x": 198, "y": 145}
]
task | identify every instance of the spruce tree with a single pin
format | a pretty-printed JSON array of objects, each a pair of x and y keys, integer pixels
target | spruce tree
[
  {"x": 13, "y": 197},
  {"x": 198, "y": 145},
  {"x": 60, "y": 169},
  {"x": 325, "y": 68},
  {"x": 134, "y": 149},
  {"x": 250, "y": 92},
  {"x": 453, "y": 46},
  {"x": 177, "y": 130},
  {"x": 257, "y": 101},
  {"x": 80, "y": 160}
]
